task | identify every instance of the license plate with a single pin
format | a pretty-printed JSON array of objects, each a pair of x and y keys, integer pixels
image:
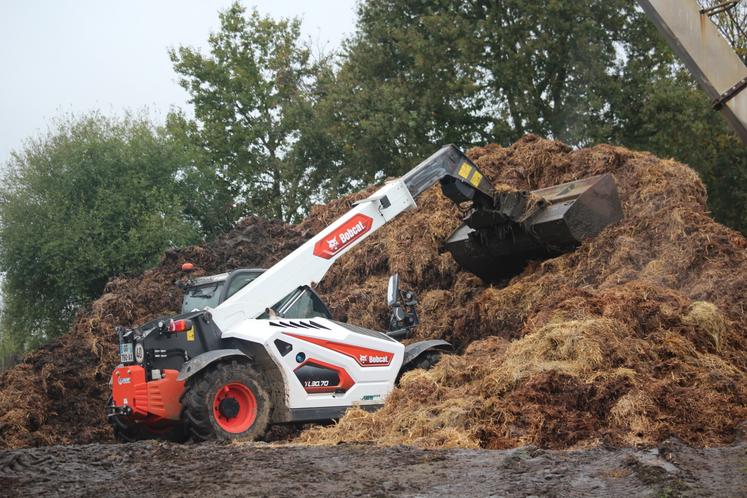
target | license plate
[{"x": 125, "y": 353}]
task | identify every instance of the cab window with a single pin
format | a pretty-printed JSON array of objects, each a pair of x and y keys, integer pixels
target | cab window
[
  {"x": 301, "y": 303},
  {"x": 308, "y": 305},
  {"x": 239, "y": 282},
  {"x": 203, "y": 296}
]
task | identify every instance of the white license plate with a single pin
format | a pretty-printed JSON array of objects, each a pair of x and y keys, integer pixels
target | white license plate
[{"x": 125, "y": 353}]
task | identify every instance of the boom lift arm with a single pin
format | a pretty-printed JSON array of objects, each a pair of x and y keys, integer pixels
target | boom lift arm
[
  {"x": 502, "y": 232},
  {"x": 461, "y": 181}
]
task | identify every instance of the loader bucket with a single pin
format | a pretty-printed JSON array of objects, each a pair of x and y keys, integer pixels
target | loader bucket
[{"x": 497, "y": 243}]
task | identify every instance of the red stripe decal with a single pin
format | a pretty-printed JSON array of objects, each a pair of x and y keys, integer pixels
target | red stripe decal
[
  {"x": 364, "y": 356},
  {"x": 339, "y": 238}
]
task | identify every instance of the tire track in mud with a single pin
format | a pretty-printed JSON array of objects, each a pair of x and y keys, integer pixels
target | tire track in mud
[{"x": 241, "y": 469}]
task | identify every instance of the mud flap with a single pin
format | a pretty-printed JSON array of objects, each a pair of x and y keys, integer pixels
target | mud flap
[{"x": 198, "y": 363}]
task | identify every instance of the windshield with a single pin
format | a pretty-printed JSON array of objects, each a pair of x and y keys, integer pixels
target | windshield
[
  {"x": 301, "y": 303},
  {"x": 198, "y": 298}
]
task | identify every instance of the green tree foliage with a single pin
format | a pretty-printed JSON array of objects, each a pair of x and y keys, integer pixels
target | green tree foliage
[
  {"x": 406, "y": 83},
  {"x": 671, "y": 117},
  {"x": 418, "y": 74},
  {"x": 252, "y": 98},
  {"x": 93, "y": 198}
]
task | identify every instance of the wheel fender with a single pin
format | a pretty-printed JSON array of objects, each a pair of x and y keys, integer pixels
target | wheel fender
[
  {"x": 414, "y": 350},
  {"x": 191, "y": 367}
]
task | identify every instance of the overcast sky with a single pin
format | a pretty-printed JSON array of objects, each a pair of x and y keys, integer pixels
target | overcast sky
[{"x": 63, "y": 56}]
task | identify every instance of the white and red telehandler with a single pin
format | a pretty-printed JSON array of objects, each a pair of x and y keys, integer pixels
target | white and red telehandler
[{"x": 257, "y": 347}]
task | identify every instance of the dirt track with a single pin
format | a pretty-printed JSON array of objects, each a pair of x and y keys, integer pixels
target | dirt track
[{"x": 163, "y": 469}]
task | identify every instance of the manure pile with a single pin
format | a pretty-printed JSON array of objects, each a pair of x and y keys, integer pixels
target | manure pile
[
  {"x": 58, "y": 393},
  {"x": 637, "y": 336}
]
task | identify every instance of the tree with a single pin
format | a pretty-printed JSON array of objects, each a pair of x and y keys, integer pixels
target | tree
[
  {"x": 418, "y": 74},
  {"x": 93, "y": 198},
  {"x": 251, "y": 106},
  {"x": 553, "y": 65},
  {"x": 406, "y": 83},
  {"x": 671, "y": 117}
]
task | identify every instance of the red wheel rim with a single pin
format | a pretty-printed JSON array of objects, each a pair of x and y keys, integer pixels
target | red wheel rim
[{"x": 235, "y": 407}]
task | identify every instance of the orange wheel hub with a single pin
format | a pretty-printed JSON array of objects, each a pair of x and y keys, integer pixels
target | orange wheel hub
[{"x": 235, "y": 408}]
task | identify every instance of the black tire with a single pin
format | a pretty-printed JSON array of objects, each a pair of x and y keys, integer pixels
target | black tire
[
  {"x": 126, "y": 431},
  {"x": 203, "y": 415},
  {"x": 426, "y": 361}
]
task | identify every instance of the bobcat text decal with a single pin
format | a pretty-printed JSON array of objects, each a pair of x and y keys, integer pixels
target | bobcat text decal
[
  {"x": 363, "y": 356},
  {"x": 342, "y": 236}
]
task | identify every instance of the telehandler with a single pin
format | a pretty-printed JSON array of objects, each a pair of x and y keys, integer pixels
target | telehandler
[{"x": 256, "y": 347}]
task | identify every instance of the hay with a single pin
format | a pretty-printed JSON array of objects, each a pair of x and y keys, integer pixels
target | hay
[
  {"x": 705, "y": 317},
  {"x": 638, "y": 335}
]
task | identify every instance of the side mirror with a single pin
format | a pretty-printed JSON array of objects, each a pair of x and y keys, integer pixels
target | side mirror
[
  {"x": 403, "y": 315},
  {"x": 392, "y": 292}
]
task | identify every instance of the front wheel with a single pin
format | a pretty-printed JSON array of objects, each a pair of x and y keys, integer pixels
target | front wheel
[
  {"x": 226, "y": 402},
  {"x": 426, "y": 361}
]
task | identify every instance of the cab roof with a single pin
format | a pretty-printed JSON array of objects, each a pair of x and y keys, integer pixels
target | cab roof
[{"x": 220, "y": 277}]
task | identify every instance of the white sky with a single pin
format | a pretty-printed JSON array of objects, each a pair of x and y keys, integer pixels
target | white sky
[{"x": 75, "y": 56}]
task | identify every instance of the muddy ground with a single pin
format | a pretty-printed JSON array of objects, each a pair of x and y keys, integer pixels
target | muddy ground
[{"x": 164, "y": 469}]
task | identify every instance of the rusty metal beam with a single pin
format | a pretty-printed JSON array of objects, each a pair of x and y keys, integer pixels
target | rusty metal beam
[{"x": 709, "y": 57}]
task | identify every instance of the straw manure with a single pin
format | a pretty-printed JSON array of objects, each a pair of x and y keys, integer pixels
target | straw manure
[{"x": 638, "y": 335}]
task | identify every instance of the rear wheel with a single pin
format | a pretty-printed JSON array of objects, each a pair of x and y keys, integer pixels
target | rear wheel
[{"x": 226, "y": 402}]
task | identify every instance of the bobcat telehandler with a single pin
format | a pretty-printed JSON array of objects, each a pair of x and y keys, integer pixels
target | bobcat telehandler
[{"x": 258, "y": 347}]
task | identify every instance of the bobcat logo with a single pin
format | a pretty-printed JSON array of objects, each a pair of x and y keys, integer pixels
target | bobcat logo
[
  {"x": 343, "y": 236},
  {"x": 333, "y": 244}
]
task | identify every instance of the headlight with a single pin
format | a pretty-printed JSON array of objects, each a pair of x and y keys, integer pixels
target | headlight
[{"x": 139, "y": 352}]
